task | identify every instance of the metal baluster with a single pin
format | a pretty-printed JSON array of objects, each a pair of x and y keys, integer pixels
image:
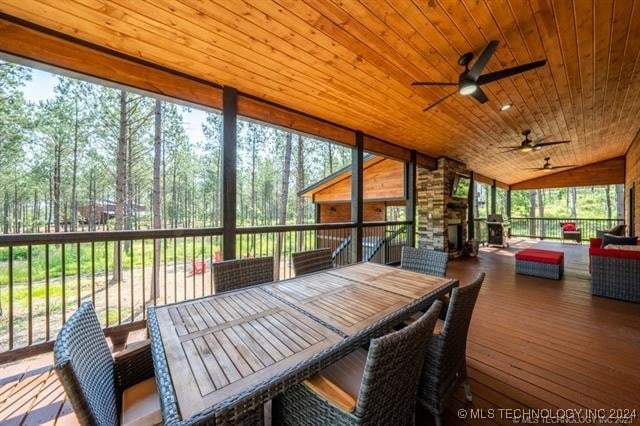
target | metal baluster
[
  {"x": 131, "y": 275},
  {"x": 144, "y": 284},
  {"x": 46, "y": 290},
  {"x": 106, "y": 281},
  {"x": 64, "y": 300},
  {"x": 78, "y": 282},
  {"x": 30, "y": 281},
  {"x": 10, "y": 297},
  {"x": 118, "y": 261}
]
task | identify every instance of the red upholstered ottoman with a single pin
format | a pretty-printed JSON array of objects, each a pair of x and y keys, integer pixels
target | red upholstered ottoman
[{"x": 540, "y": 263}]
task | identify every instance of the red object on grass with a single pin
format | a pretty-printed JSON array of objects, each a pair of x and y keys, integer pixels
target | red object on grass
[
  {"x": 197, "y": 267},
  {"x": 541, "y": 256}
]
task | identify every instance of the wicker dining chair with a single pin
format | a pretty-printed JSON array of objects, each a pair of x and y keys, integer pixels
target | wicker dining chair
[
  {"x": 377, "y": 387},
  {"x": 426, "y": 261},
  {"x": 234, "y": 274},
  {"x": 445, "y": 365},
  {"x": 306, "y": 262},
  {"x": 104, "y": 390}
]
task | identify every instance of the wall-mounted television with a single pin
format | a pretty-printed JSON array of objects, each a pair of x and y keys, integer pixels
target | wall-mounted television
[{"x": 461, "y": 185}]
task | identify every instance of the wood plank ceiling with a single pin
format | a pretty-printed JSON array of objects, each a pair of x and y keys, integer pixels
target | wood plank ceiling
[{"x": 352, "y": 62}]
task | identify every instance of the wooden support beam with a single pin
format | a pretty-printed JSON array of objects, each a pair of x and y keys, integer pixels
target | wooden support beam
[
  {"x": 410, "y": 187},
  {"x": 93, "y": 61},
  {"x": 229, "y": 171},
  {"x": 470, "y": 201},
  {"x": 493, "y": 197},
  {"x": 357, "y": 195}
]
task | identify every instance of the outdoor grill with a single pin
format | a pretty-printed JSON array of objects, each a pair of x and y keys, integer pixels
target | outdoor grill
[{"x": 497, "y": 230}]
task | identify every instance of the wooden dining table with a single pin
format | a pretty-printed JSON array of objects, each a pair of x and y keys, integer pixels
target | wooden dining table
[{"x": 221, "y": 357}]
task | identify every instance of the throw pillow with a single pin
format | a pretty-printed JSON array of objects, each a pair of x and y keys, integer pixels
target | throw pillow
[
  {"x": 622, "y": 241},
  {"x": 569, "y": 227}
]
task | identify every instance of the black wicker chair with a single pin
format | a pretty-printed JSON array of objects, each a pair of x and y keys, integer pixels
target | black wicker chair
[
  {"x": 235, "y": 274},
  {"x": 104, "y": 390},
  {"x": 445, "y": 366},
  {"x": 306, "y": 262},
  {"x": 426, "y": 261},
  {"x": 374, "y": 388}
]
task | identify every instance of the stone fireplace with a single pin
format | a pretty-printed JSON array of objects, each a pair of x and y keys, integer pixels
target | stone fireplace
[{"x": 442, "y": 219}]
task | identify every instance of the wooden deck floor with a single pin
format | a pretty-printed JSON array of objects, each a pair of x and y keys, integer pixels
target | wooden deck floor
[{"x": 534, "y": 343}]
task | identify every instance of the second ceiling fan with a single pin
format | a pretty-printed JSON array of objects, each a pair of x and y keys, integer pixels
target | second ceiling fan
[
  {"x": 528, "y": 145},
  {"x": 471, "y": 79}
]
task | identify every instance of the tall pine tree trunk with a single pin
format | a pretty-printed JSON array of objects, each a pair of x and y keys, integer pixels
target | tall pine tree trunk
[
  {"x": 56, "y": 185},
  {"x": 607, "y": 200},
  {"x": 541, "y": 213},
  {"x": 574, "y": 196},
  {"x": 282, "y": 208},
  {"x": 156, "y": 201},
  {"x": 74, "y": 199},
  {"x": 620, "y": 202},
  {"x": 121, "y": 170},
  {"x": 532, "y": 213},
  {"x": 299, "y": 188}
]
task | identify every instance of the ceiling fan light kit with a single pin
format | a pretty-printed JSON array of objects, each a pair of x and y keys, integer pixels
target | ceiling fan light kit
[
  {"x": 471, "y": 79},
  {"x": 505, "y": 107}
]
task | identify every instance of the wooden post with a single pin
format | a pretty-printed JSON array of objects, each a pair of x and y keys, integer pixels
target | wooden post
[
  {"x": 229, "y": 171},
  {"x": 470, "y": 200},
  {"x": 357, "y": 162},
  {"x": 410, "y": 188},
  {"x": 493, "y": 197}
]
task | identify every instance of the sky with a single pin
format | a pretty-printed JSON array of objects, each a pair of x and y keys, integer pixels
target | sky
[{"x": 41, "y": 88}]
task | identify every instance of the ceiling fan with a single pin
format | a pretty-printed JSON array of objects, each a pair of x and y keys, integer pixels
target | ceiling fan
[
  {"x": 547, "y": 167},
  {"x": 528, "y": 145},
  {"x": 470, "y": 79}
]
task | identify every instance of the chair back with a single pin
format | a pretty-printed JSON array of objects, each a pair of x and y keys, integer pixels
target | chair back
[
  {"x": 445, "y": 363},
  {"x": 392, "y": 370},
  {"x": 85, "y": 368},
  {"x": 306, "y": 262},
  {"x": 426, "y": 261},
  {"x": 234, "y": 274}
]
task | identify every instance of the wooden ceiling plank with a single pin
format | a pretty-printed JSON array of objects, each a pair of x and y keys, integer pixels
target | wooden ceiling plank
[
  {"x": 340, "y": 36},
  {"x": 500, "y": 20},
  {"x": 545, "y": 21},
  {"x": 546, "y": 89},
  {"x": 583, "y": 15},
  {"x": 383, "y": 43},
  {"x": 565, "y": 27},
  {"x": 409, "y": 23},
  {"x": 506, "y": 28},
  {"x": 310, "y": 74},
  {"x": 428, "y": 38},
  {"x": 482, "y": 18},
  {"x": 625, "y": 76},
  {"x": 323, "y": 96}
]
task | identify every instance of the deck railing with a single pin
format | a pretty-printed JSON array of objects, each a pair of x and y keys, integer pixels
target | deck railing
[
  {"x": 45, "y": 277},
  {"x": 548, "y": 228}
]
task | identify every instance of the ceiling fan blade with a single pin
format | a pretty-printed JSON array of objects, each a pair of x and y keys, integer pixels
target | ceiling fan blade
[
  {"x": 535, "y": 168},
  {"x": 440, "y": 101},
  {"x": 565, "y": 167},
  {"x": 482, "y": 61},
  {"x": 551, "y": 143},
  {"x": 511, "y": 150},
  {"x": 479, "y": 96},
  {"x": 432, "y": 83},
  {"x": 510, "y": 147},
  {"x": 508, "y": 72}
]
